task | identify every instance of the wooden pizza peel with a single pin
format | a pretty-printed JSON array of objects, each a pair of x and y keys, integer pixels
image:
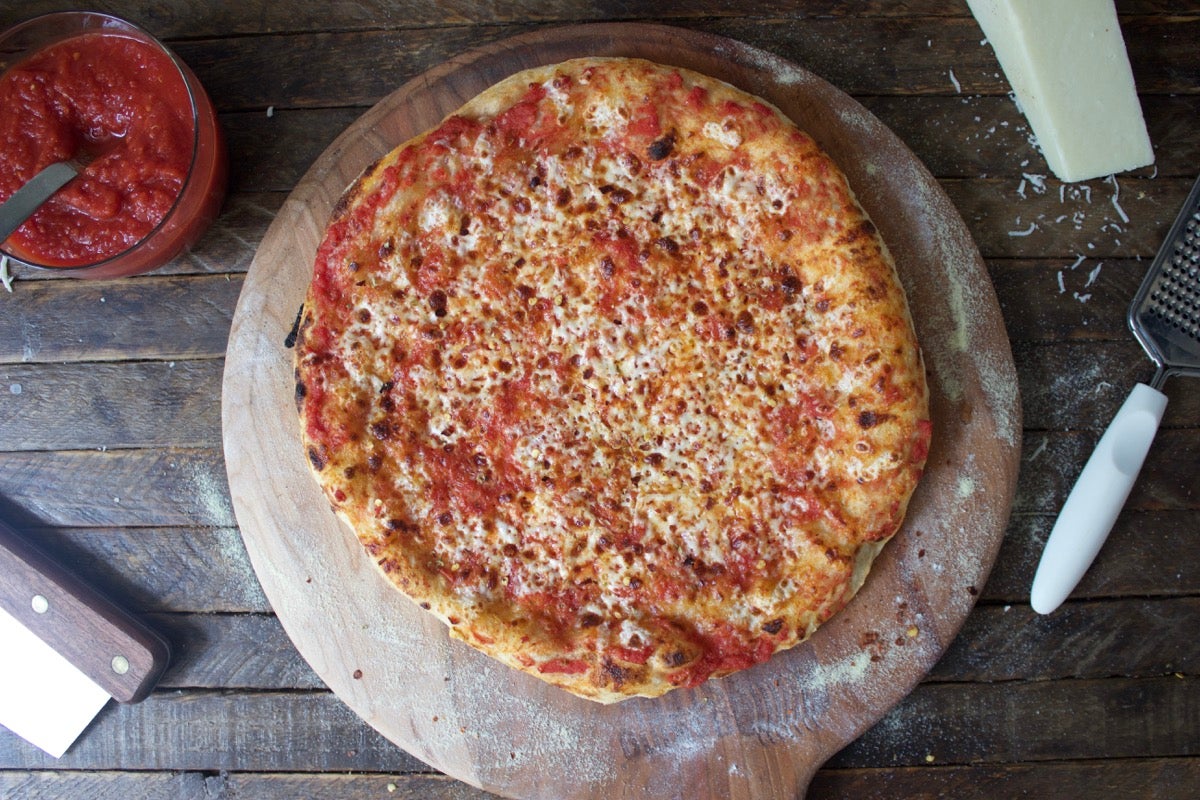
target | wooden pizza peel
[{"x": 762, "y": 732}]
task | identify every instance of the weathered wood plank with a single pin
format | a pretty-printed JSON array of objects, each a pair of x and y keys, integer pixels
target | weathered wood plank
[
  {"x": 1052, "y": 461},
  {"x": 1136, "y": 779},
  {"x": 202, "y": 570},
  {"x": 1036, "y": 721},
  {"x": 958, "y": 724},
  {"x": 292, "y": 731},
  {"x": 1089, "y": 305},
  {"x": 1099, "y": 219},
  {"x": 1073, "y": 386},
  {"x": 50, "y": 785},
  {"x": 860, "y": 55},
  {"x": 1170, "y": 478},
  {"x": 231, "y": 651},
  {"x": 1133, "y": 779},
  {"x": 900, "y": 56},
  {"x": 1127, "y": 638},
  {"x": 973, "y": 135},
  {"x": 1146, "y": 554},
  {"x": 127, "y": 488},
  {"x": 111, "y": 405},
  {"x": 145, "y": 317},
  {"x": 112, "y": 785},
  {"x": 178, "y": 18}
]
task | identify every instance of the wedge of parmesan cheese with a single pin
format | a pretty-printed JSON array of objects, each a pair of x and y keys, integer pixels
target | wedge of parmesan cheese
[{"x": 1067, "y": 65}]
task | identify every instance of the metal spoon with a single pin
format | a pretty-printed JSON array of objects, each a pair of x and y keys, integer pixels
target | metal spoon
[{"x": 29, "y": 198}]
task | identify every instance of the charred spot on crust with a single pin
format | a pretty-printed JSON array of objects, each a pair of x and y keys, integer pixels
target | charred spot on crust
[
  {"x": 348, "y": 197},
  {"x": 400, "y": 525},
  {"x": 774, "y": 626},
  {"x": 618, "y": 673},
  {"x": 316, "y": 458},
  {"x": 290, "y": 340},
  {"x": 660, "y": 149}
]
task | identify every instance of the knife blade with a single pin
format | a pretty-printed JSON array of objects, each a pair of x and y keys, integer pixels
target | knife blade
[
  {"x": 66, "y": 649},
  {"x": 29, "y": 198}
]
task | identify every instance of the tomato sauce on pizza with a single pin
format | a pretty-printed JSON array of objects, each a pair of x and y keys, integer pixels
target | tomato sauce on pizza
[{"x": 611, "y": 373}]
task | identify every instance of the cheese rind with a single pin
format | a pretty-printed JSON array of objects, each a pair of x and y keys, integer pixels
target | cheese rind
[{"x": 1067, "y": 64}]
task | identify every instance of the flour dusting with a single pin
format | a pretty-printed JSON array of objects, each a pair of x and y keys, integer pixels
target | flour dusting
[
  {"x": 212, "y": 501},
  {"x": 780, "y": 71}
]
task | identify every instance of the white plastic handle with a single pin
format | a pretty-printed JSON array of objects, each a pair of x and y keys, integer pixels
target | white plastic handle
[{"x": 1097, "y": 499}]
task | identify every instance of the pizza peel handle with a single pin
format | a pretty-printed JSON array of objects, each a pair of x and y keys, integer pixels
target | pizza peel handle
[{"x": 115, "y": 650}]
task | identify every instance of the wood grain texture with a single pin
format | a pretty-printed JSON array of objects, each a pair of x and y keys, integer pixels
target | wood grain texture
[
  {"x": 151, "y": 317},
  {"x": 125, "y": 487},
  {"x": 697, "y": 741},
  {"x": 179, "y": 18},
  {"x": 1135, "y": 779},
  {"x": 156, "y": 569},
  {"x": 1140, "y": 557},
  {"x": 367, "y": 64},
  {"x": 964, "y": 724}
]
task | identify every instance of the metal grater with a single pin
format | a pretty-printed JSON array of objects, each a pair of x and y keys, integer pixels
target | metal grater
[
  {"x": 1165, "y": 318},
  {"x": 1165, "y": 314}
]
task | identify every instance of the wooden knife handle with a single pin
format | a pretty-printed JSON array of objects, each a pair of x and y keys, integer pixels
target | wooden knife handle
[{"x": 104, "y": 642}]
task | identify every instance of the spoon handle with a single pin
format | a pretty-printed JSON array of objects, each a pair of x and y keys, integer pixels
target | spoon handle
[{"x": 29, "y": 197}]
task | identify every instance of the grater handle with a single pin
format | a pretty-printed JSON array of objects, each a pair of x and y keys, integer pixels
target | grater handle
[{"x": 1097, "y": 499}]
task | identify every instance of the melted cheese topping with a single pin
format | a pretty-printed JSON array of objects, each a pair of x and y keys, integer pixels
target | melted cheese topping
[{"x": 621, "y": 369}]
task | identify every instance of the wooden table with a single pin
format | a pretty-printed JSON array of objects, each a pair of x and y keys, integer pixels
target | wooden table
[{"x": 110, "y": 440}]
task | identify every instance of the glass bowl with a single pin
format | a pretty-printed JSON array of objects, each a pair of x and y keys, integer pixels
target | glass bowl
[{"x": 203, "y": 188}]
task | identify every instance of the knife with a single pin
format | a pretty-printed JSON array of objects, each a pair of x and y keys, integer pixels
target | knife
[
  {"x": 65, "y": 649},
  {"x": 29, "y": 198}
]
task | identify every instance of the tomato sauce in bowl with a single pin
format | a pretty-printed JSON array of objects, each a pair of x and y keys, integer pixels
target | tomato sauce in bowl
[{"x": 97, "y": 90}]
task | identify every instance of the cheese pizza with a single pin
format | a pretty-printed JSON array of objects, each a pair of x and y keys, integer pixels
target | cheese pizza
[{"x": 611, "y": 373}]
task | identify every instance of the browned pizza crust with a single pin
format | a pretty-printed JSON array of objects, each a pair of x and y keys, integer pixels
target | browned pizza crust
[{"x": 612, "y": 374}]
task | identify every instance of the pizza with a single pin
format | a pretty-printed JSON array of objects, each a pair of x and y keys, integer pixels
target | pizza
[{"x": 611, "y": 373}]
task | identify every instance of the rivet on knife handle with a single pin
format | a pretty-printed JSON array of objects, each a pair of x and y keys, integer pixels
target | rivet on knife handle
[{"x": 119, "y": 653}]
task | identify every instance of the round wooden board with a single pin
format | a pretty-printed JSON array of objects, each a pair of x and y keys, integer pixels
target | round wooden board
[{"x": 759, "y": 733}]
